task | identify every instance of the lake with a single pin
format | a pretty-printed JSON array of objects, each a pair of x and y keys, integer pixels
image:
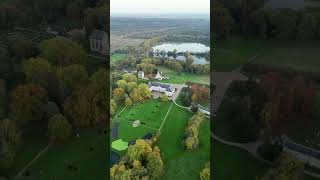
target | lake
[{"x": 184, "y": 47}]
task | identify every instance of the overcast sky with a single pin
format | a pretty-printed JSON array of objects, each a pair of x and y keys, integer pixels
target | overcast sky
[{"x": 160, "y": 7}]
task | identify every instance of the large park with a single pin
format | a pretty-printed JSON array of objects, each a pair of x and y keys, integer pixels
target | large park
[
  {"x": 266, "y": 100},
  {"x": 50, "y": 75},
  {"x": 160, "y": 123}
]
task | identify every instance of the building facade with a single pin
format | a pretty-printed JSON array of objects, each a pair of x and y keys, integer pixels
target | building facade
[
  {"x": 99, "y": 42},
  {"x": 167, "y": 89}
]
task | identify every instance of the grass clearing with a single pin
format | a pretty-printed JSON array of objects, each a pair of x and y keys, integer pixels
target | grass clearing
[
  {"x": 179, "y": 163},
  {"x": 233, "y": 52},
  {"x": 183, "y": 77},
  {"x": 303, "y": 57},
  {"x": 150, "y": 113},
  {"x": 91, "y": 164},
  {"x": 118, "y": 57}
]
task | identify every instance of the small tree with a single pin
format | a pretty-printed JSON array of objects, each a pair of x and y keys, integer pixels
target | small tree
[
  {"x": 164, "y": 98},
  {"x": 205, "y": 173},
  {"x": 59, "y": 128},
  {"x": 128, "y": 102}
]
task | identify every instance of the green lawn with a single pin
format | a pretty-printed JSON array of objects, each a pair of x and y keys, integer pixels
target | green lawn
[
  {"x": 233, "y": 163},
  {"x": 33, "y": 142},
  {"x": 91, "y": 164},
  {"x": 233, "y": 52},
  {"x": 118, "y": 57},
  {"x": 179, "y": 163},
  {"x": 298, "y": 56},
  {"x": 183, "y": 77},
  {"x": 150, "y": 112}
]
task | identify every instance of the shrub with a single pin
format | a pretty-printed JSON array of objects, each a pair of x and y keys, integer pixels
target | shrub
[{"x": 59, "y": 128}]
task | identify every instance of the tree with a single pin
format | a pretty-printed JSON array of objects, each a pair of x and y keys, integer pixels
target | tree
[
  {"x": 129, "y": 78},
  {"x": 60, "y": 52},
  {"x": 142, "y": 161},
  {"x": 95, "y": 18},
  {"x": 205, "y": 173},
  {"x": 10, "y": 139},
  {"x": 28, "y": 103},
  {"x": 70, "y": 78},
  {"x": 122, "y": 84},
  {"x": 164, "y": 98},
  {"x": 307, "y": 27},
  {"x": 6, "y": 66},
  {"x": 21, "y": 48},
  {"x": 189, "y": 59},
  {"x": 3, "y": 99},
  {"x": 285, "y": 167},
  {"x": 113, "y": 106},
  {"x": 87, "y": 105},
  {"x": 135, "y": 96},
  {"x": 222, "y": 25},
  {"x": 128, "y": 102},
  {"x": 144, "y": 90},
  {"x": 59, "y": 128},
  {"x": 38, "y": 71},
  {"x": 118, "y": 94}
]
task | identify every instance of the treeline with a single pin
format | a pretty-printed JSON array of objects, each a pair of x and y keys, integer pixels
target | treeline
[
  {"x": 253, "y": 18},
  {"x": 51, "y": 90},
  {"x": 26, "y": 13}
]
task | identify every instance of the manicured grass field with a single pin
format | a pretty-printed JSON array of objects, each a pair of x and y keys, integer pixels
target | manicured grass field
[
  {"x": 179, "y": 163},
  {"x": 183, "y": 77},
  {"x": 150, "y": 112},
  {"x": 298, "y": 56},
  {"x": 33, "y": 142},
  {"x": 118, "y": 57},
  {"x": 128, "y": 133},
  {"x": 233, "y": 163},
  {"x": 233, "y": 52},
  {"x": 91, "y": 164}
]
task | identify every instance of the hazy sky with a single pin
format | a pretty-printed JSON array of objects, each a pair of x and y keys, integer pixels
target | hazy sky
[{"x": 160, "y": 7}]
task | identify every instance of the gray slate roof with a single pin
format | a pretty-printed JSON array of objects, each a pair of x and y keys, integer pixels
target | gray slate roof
[
  {"x": 166, "y": 86},
  {"x": 99, "y": 35},
  {"x": 302, "y": 149}
]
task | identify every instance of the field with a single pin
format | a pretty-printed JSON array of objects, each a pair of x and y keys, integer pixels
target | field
[
  {"x": 183, "y": 77},
  {"x": 179, "y": 163},
  {"x": 302, "y": 57},
  {"x": 118, "y": 57},
  {"x": 233, "y": 163},
  {"x": 230, "y": 54},
  {"x": 151, "y": 113},
  {"x": 236, "y": 51},
  {"x": 54, "y": 162}
]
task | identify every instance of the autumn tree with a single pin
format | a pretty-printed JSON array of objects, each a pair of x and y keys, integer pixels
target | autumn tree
[
  {"x": 59, "y": 128},
  {"x": 87, "y": 105},
  {"x": 285, "y": 167},
  {"x": 10, "y": 139},
  {"x": 142, "y": 161},
  {"x": 113, "y": 106},
  {"x": 70, "y": 78},
  {"x": 205, "y": 173},
  {"x": 128, "y": 102},
  {"x": 28, "y": 103},
  {"x": 38, "y": 71},
  {"x": 144, "y": 90},
  {"x": 60, "y": 52},
  {"x": 118, "y": 94},
  {"x": 129, "y": 78}
]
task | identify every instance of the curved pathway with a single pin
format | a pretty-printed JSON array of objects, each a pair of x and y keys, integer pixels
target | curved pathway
[{"x": 252, "y": 148}]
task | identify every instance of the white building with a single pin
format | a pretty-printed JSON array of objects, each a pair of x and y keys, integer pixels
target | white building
[
  {"x": 141, "y": 74},
  {"x": 99, "y": 41},
  {"x": 158, "y": 76},
  {"x": 167, "y": 89},
  {"x": 204, "y": 110},
  {"x": 305, "y": 154}
]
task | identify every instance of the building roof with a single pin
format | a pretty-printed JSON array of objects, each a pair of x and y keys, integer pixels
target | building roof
[
  {"x": 168, "y": 87},
  {"x": 97, "y": 34},
  {"x": 302, "y": 149}
]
